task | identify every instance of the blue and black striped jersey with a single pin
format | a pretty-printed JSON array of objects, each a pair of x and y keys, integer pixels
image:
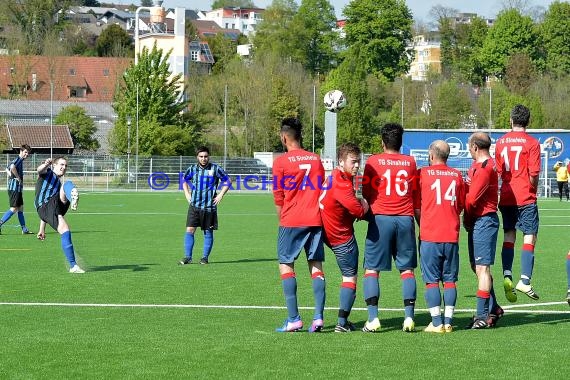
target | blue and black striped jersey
[
  {"x": 13, "y": 183},
  {"x": 47, "y": 186},
  {"x": 203, "y": 182}
]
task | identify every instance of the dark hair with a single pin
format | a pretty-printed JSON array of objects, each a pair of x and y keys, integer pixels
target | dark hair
[
  {"x": 392, "y": 135},
  {"x": 26, "y": 147},
  {"x": 347, "y": 148},
  {"x": 201, "y": 149},
  {"x": 292, "y": 127},
  {"x": 481, "y": 140},
  {"x": 520, "y": 115}
]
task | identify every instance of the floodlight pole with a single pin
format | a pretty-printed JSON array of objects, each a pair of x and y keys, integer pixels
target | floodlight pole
[
  {"x": 314, "y": 106},
  {"x": 137, "y": 138},
  {"x": 51, "y": 119},
  {"x": 128, "y": 149},
  {"x": 225, "y": 123}
]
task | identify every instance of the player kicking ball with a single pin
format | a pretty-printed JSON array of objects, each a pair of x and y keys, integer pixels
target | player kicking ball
[{"x": 52, "y": 201}]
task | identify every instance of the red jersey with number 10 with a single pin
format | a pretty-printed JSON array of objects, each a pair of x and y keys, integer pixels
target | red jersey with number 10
[
  {"x": 442, "y": 198},
  {"x": 298, "y": 177},
  {"x": 339, "y": 208},
  {"x": 390, "y": 184},
  {"x": 517, "y": 155}
]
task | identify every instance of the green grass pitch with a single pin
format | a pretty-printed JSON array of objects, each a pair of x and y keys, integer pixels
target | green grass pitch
[{"x": 137, "y": 314}]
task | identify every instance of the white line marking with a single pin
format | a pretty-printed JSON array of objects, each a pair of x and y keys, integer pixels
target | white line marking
[{"x": 255, "y": 307}]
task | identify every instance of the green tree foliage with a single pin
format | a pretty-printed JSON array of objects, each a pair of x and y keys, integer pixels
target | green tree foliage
[
  {"x": 90, "y": 3},
  {"x": 114, "y": 41},
  {"x": 381, "y": 30},
  {"x": 273, "y": 35},
  {"x": 313, "y": 37},
  {"x": 150, "y": 89},
  {"x": 511, "y": 33},
  {"x": 556, "y": 38},
  {"x": 520, "y": 74},
  {"x": 217, "y": 4},
  {"x": 223, "y": 50},
  {"x": 146, "y": 3},
  {"x": 81, "y": 127},
  {"x": 553, "y": 91},
  {"x": 450, "y": 105}
]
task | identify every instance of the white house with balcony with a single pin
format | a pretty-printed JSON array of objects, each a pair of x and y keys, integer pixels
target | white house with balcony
[{"x": 243, "y": 19}]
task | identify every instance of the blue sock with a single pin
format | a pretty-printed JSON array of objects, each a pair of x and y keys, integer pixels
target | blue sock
[
  {"x": 371, "y": 294},
  {"x": 22, "y": 220},
  {"x": 409, "y": 293},
  {"x": 492, "y": 298},
  {"x": 67, "y": 247},
  {"x": 507, "y": 257},
  {"x": 449, "y": 300},
  {"x": 188, "y": 245},
  {"x": 527, "y": 263},
  {"x": 482, "y": 304},
  {"x": 319, "y": 294},
  {"x": 208, "y": 242},
  {"x": 433, "y": 301},
  {"x": 289, "y": 283},
  {"x": 347, "y": 296},
  {"x": 7, "y": 215},
  {"x": 568, "y": 269}
]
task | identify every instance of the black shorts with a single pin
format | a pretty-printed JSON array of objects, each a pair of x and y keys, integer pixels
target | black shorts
[
  {"x": 16, "y": 198},
  {"x": 205, "y": 219},
  {"x": 49, "y": 211}
]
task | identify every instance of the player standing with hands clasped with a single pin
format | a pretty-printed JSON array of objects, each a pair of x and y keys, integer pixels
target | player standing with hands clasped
[{"x": 339, "y": 209}]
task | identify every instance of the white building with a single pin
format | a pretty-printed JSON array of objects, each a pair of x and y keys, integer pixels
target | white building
[{"x": 243, "y": 19}]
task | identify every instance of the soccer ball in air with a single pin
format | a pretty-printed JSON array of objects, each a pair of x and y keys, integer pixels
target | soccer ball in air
[{"x": 334, "y": 101}]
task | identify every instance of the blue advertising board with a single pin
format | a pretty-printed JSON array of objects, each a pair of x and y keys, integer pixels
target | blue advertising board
[{"x": 555, "y": 144}]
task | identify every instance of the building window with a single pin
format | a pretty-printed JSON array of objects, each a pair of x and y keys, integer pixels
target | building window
[
  {"x": 77, "y": 92},
  {"x": 194, "y": 55},
  {"x": 72, "y": 71},
  {"x": 106, "y": 72},
  {"x": 227, "y": 25}
]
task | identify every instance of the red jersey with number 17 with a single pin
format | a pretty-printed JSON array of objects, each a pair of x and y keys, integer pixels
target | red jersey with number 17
[
  {"x": 442, "y": 198},
  {"x": 390, "y": 184},
  {"x": 339, "y": 208},
  {"x": 517, "y": 155},
  {"x": 298, "y": 177}
]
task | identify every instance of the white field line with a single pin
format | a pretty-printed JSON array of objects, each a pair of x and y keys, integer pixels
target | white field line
[{"x": 241, "y": 307}]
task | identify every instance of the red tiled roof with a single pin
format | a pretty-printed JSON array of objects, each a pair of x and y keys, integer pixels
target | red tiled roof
[
  {"x": 101, "y": 75},
  {"x": 39, "y": 136}
]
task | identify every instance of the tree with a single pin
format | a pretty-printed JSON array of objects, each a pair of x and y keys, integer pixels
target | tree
[
  {"x": 114, "y": 41},
  {"x": 91, "y": 3},
  {"x": 81, "y": 127},
  {"x": 314, "y": 36},
  {"x": 273, "y": 35},
  {"x": 146, "y": 3},
  {"x": 217, "y": 4},
  {"x": 149, "y": 88},
  {"x": 450, "y": 105},
  {"x": 223, "y": 50},
  {"x": 382, "y": 31},
  {"x": 556, "y": 41},
  {"x": 519, "y": 74},
  {"x": 511, "y": 33}
]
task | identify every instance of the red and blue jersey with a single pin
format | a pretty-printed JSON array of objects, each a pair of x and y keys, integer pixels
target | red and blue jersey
[
  {"x": 390, "y": 184},
  {"x": 339, "y": 208},
  {"x": 442, "y": 200},
  {"x": 298, "y": 177},
  {"x": 482, "y": 189},
  {"x": 517, "y": 155}
]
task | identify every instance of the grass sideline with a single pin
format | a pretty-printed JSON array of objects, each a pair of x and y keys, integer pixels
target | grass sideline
[{"x": 130, "y": 244}]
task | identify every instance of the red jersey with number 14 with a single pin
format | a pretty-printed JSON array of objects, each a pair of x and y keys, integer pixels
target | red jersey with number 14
[
  {"x": 442, "y": 198},
  {"x": 517, "y": 155},
  {"x": 390, "y": 184},
  {"x": 298, "y": 177},
  {"x": 339, "y": 208}
]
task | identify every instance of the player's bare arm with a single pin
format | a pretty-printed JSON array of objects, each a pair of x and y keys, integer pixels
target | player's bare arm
[{"x": 44, "y": 167}]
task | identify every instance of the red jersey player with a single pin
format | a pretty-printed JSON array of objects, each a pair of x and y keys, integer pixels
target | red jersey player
[
  {"x": 442, "y": 199},
  {"x": 298, "y": 176},
  {"x": 390, "y": 187},
  {"x": 517, "y": 155},
  {"x": 339, "y": 209}
]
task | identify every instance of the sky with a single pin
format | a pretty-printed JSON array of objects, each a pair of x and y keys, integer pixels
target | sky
[{"x": 420, "y": 8}]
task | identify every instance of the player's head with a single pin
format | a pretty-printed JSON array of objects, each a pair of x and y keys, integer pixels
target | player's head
[
  {"x": 203, "y": 155},
  {"x": 59, "y": 166},
  {"x": 479, "y": 142},
  {"x": 25, "y": 151},
  {"x": 349, "y": 158},
  {"x": 291, "y": 130},
  {"x": 392, "y": 136},
  {"x": 520, "y": 116},
  {"x": 438, "y": 152}
]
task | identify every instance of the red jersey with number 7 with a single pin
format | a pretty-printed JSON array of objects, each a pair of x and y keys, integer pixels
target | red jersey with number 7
[
  {"x": 517, "y": 155},
  {"x": 298, "y": 178},
  {"x": 390, "y": 184},
  {"x": 442, "y": 200}
]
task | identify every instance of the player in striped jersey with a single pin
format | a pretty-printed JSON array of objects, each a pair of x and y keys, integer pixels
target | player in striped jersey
[
  {"x": 15, "y": 172},
  {"x": 201, "y": 182},
  {"x": 52, "y": 201}
]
